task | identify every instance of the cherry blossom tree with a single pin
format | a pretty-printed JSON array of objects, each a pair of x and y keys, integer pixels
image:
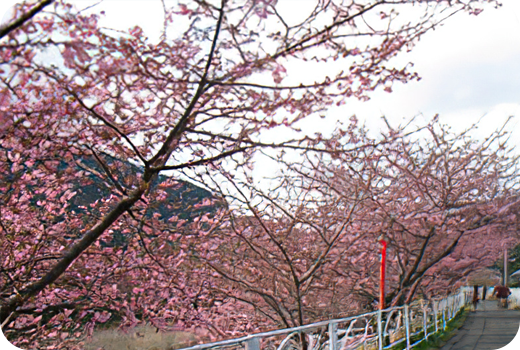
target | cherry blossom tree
[
  {"x": 446, "y": 201},
  {"x": 278, "y": 253},
  {"x": 203, "y": 98},
  {"x": 307, "y": 250}
]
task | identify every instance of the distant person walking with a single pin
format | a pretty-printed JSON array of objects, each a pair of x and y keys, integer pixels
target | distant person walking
[{"x": 502, "y": 293}]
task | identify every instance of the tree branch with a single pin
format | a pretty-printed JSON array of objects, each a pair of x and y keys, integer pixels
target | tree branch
[
  {"x": 163, "y": 154},
  {"x": 70, "y": 255},
  {"x": 17, "y": 23}
]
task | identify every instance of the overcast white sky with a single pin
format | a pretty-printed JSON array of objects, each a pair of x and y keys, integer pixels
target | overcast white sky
[{"x": 469, "y": 67}]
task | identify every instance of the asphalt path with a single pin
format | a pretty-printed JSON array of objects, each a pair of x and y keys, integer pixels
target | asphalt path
[{"x": 489, "y": 327}]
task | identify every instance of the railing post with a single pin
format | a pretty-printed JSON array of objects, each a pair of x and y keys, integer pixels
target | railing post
[
  {"x": 435, "y": 306},
  {"x": 452, "y": 308},
  {"x": 407, "y": 326},
  {"x": 444, "y": 317},
  {"x": 253, "y": 344},
  {"x": 449, "y": 306},
  {"x": 380, "y": 328},
  {"x": 425, "y": 321},
  {"x": 333, "y": 336}
]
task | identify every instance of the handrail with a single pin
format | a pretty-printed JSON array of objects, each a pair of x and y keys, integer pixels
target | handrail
[{"x": 375, "y": 330}]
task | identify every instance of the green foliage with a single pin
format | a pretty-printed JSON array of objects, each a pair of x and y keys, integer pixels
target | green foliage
[{"x": 437, "y": 340}]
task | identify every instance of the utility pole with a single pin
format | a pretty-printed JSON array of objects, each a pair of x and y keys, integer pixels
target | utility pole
[{"x": 505, "y": 267}]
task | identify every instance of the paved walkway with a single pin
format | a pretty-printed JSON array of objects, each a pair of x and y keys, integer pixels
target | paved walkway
[{"x": 488, "y": 328}]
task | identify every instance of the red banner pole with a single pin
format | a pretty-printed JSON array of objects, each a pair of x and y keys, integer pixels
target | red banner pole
[{"x": 382, "y": 275}]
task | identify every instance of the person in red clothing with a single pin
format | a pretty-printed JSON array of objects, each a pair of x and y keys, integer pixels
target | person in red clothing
[{"x": 502, "y": 293}]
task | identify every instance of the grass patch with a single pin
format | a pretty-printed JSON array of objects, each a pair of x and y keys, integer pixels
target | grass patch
[
  {"x": 142, "y": 337},
  {"x": 437, "y": 340}
]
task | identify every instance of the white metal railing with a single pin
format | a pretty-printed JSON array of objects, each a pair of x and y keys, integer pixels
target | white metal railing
[{"x": 378, "y": 330}]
